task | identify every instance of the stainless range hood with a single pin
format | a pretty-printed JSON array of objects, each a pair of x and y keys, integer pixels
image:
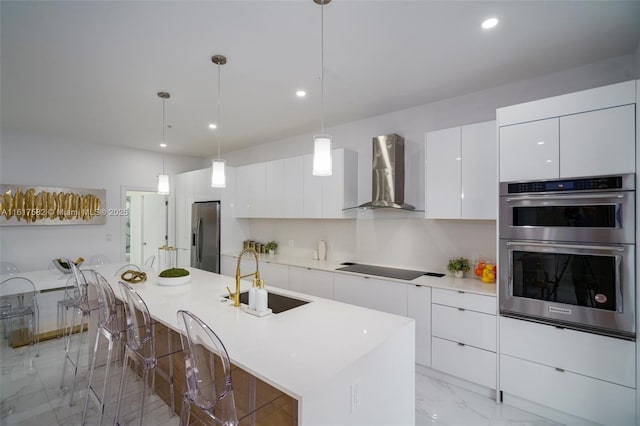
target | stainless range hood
[{"x": 388, "y": 174}]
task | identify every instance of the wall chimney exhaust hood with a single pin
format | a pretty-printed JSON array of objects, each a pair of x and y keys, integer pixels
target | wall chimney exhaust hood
[{"x": 388, "y": 174}]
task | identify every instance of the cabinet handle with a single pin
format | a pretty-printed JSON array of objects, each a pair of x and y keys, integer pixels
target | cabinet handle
[
  {"x": 561, "y": 370},
  {"x": 461, "y": 309},
  {"x": 558, "y": 327},
  {"x": 460, "y": 291},
  {"x": 366, "y": 278},
  {"x": 460, "y": 344}
]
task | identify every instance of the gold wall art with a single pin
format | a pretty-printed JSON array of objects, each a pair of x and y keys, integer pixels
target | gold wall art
[{"x": 45, "y": 205}]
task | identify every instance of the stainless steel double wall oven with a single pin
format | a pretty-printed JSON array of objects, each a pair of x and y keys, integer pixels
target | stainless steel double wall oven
[{"x": 567, "y": 253}]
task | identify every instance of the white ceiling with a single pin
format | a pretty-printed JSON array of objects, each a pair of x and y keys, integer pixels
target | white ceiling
[{"x": 89, "y": 70}]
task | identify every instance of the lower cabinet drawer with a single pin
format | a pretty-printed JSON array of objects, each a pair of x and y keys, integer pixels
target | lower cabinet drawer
[
  {"x": 466, "y": 362},
  {"x": 588, "y": 354},
  {"x": 582, "y": 396},
  {"x": 469, "y": 327}
]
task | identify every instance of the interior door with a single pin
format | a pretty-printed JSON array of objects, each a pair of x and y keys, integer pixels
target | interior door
[{"x": 154, "y": 224}]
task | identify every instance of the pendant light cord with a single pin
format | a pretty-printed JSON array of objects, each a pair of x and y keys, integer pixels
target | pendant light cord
[
  {"x": 322, "y": 68},
  {"x": 219, "y": 96},
  {"x": 163, "y": 142}
]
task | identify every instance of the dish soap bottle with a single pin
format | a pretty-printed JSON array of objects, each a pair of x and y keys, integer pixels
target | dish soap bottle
[
  {"x": 262, "y": 297},
  {"x": 252, "y": 294}
]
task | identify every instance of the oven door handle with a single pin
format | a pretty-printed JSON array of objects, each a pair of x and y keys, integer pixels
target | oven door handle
[
  {"x": 567, "y": 197},
  {"x": 567, "y": 246}
]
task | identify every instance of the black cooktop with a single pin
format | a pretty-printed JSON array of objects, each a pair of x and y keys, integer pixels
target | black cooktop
[{"x": 381, "y": 271}]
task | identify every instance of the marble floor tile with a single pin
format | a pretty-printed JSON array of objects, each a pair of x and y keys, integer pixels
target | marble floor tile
[{"x": 30, "y": 394}]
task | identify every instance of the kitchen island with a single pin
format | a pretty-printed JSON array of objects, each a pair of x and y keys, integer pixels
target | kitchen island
[{"x": 342, "y": 364}]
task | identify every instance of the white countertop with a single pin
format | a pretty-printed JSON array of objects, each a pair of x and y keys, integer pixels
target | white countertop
[
  {"x": 296, "y": 350},
  {"x": 470, "y": 285}
]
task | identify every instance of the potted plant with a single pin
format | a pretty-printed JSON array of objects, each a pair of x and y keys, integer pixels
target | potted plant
[
  {"x": 272, "y": 246},
  {"x": 458, "y": 266}
]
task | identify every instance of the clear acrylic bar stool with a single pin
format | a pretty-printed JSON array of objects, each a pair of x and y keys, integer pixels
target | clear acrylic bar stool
[
  {"x": 141, "y": 348},
  {"x": 110, "y": 327},
  {"x": 81, "y": 306},
  {"x": 18, "y": 301},
  {"x": 208, "y": 373}
]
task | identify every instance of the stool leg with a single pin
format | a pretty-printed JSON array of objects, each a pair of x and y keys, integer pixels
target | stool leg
[
  {"x": 93, "y": 366},
  {"x": 77, "y": 362},
  {"x": 185, "y": 413},
  {"x": 121, "y": 388}
]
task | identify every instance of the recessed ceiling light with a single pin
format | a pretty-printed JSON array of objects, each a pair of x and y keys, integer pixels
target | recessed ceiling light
[
  {"x": 213, "y": 126},
  {"x": 541, "y": 143},
  {"x": 163, "y": 145},
  {"x": 301, "y": 93},
  {"x": 489, "y": 23}
]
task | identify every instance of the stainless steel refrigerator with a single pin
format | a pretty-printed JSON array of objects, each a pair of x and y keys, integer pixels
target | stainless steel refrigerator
[{"x": 205, "y": 236}]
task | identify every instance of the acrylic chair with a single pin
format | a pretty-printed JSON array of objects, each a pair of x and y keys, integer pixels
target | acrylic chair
[
  {"x": 8, "y": 268},
  {"x": 150, "y": 261},
  {"x": 208, "y": 373},
  {"x": 141, "y": 348},
  {"x": 110, "y": 327},
  {"x": 82, "y": 306},
  {"x": 18, "y": 300}
]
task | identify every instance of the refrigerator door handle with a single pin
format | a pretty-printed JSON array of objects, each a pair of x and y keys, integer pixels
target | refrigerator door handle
[{"x": 199, "y": 247}]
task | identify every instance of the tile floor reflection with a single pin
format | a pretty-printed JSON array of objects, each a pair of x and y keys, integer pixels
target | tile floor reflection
[{"x": 30, "y": 394}]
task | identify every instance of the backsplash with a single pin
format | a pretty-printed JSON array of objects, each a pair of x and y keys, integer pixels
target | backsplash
[{"x": 405, "y": 243}]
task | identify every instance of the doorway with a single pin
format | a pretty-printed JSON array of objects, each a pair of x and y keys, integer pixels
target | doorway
[{"x": 147, "y": 225}]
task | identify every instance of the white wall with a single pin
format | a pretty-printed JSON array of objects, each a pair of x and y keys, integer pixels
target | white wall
[
  {"x": 41, "y": 160},
  {"x": 414, "y": 242}
]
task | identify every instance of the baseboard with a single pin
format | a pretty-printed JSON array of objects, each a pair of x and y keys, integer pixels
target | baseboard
[
  {"x": 544, "y": 411},
  {"x": 455, "y": 381}
]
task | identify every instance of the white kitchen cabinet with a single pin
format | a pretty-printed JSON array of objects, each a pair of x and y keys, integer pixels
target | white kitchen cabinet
[
  {"x": 228, "y": 265},
  {"x": 202, "y": 186},
  {"x": 274, "y": 188},
  {"x": 460, "y": 172},
  {"x": 464, "y": 340},
  {"x": 465, "y": 362},
  {"x": 598, "y": 142},
  {"x": 293, "y": 187},
  {"x": 592, "y": 355},
  {"x": 250, "y": 190},
  {"x": 530, "y": 151},
  {"x": 465, "y": 300},
  {"x": 184, "y": 198},
  {"x": 374, "y": 293},
  {"x": 596, "y": 400},
  {"x": 419, "y": 308},
  {"x": 311, "y": 281},
  {"x": 312, "y": 190},
  {"x": 580, "y": 373},
  {"x": 479, "y": 190},
  {"x": 340, "y": 190},
  {"x": 586, "y": 133},
  {"x": 274, "y": 274},
  {"x": 443, "y": 174}
]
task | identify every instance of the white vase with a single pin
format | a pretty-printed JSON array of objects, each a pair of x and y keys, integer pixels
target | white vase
[
  {"x": 322, "y": 250},
  {"x": 458, "y": 274},
  {"x": 272, "y": 252}
]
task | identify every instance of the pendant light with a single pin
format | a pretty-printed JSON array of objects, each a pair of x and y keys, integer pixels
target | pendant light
[
  {"x": 322, "y": 142},
  {"x": 163, "y": 179},
  {"x": 218, "y": 178}
]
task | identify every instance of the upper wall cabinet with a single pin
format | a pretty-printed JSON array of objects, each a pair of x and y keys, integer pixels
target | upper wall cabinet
[
  {"x": 251, "y": 190},
  {"x": 530, "y": 151},
  {"x": 598, "y": 142},
  {"x": 287, "y": 188},
  {"x": 461, "y": 172},
  {"x": 586, "y": 133}
]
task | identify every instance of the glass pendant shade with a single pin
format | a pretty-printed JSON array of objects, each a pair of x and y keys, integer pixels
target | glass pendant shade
[
  {"x": 322, "y": 155},
  {"x": 163, "y": 184},
  {"x": 218, "y": 178}
]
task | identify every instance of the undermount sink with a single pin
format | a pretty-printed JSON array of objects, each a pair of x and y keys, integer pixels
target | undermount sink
[{"x": 276, "y": 302}]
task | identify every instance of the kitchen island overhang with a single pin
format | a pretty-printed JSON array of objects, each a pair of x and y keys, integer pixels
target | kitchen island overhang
[{"x": 342, "y": 363}]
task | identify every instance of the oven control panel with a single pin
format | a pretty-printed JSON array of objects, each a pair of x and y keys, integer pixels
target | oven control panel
[{"x": 585, "y": 184}]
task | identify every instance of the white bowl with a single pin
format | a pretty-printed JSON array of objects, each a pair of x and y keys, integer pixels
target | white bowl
[{"x": 169, "y": 281}]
